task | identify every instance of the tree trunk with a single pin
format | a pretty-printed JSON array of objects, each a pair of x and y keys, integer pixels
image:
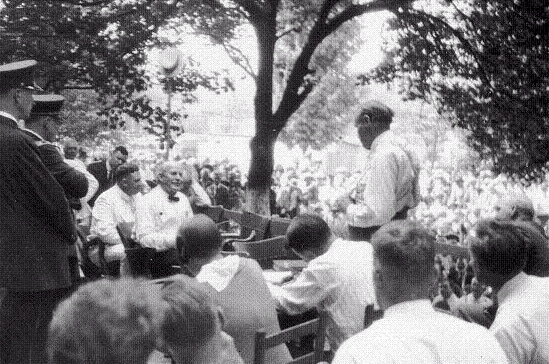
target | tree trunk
[{"x": 260, "y": 173}]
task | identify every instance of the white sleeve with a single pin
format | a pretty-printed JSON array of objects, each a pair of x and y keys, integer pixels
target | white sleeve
[
  {"x": 515, "y": 340},
  {"x": 93, "y": 184},
  {"x": 308, "y": 289},
  {"x": 104, "y": 221}
]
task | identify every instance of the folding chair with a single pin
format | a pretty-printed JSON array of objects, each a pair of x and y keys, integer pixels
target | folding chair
[{"x": 316, "y": 327}]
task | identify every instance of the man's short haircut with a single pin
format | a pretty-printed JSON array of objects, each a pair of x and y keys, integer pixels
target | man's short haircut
[
  {"x": 105, "y": 322},
  {"x": 164, "y": 166},
  {"x": 122, "y": 149},
  {"x": 191, "y": 317},
  {"x": 306, "y": 232},
  {"x": 124, "y": 170},
  {"x": 408, "y": 248},
  {"x": 503, "y": 247},
  {"x": 374, "y": 112},
  {"x": 515, "y": 205},
  {"x": 198, "y": 237}
]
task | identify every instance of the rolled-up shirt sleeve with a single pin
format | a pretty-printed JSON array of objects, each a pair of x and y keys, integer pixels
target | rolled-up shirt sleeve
[{"x": 306, "y": 291}]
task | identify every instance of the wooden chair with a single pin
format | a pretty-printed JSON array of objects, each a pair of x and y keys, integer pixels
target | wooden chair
[
  {"x": 265, "y": 250},
  {"x": 316, "y": 327},
  {"x": 215, "y": 213},
  {"x": 139, "y": 258},
  {"x": 278, "y": 226},
  {"x": 252, "y": 227}
]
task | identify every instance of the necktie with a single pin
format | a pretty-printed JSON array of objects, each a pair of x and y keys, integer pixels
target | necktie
[{"x": 173, "y": 198}]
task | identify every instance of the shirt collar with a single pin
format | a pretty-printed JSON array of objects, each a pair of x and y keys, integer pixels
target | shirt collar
[
  {"x": 511, "y": 286},
  {"x": 219, "y": 273},
  {"x": 380, "y": 139},
  {"x": 123, "y": 194},
  {"x": 11, "y": 117},
  {"x": 407, "y": 308}
]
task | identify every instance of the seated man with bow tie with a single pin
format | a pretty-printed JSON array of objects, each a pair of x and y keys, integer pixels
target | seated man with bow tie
[{"x": 159, "y": 215}]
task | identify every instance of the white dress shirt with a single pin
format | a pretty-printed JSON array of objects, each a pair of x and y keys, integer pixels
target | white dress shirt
[
  {"x": 158, "y": 219},
  {"x": 522, "y": 320},
  {"x": 340, "y": 282},
  {"x": 389, "y": 183},
  {"x": 413, "y": 332},
  {"x": 111, "y": 208}
]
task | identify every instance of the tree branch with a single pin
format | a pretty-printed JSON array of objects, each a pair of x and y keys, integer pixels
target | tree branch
[
  {"x": 256, "y": 13},
  {"x": 288, "y": 31},
  {"x": 84, "y": 2},
  {"x": 239, "y": 59},
  {"x": 292, "y": 98}
]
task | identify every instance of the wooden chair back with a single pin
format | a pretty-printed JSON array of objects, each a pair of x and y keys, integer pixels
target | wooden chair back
[
  {"x": 278, "y": 226},
  {"x": 265, "y": 250},
  {"x": 139, "y": 258},
  {"x": 316, "y": 327},
  {"x": 215, "y": 213},
  {"x": 252, "y": 222}
]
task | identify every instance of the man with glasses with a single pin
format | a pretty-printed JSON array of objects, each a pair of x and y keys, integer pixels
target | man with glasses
[{"x": 36, "y": 227}]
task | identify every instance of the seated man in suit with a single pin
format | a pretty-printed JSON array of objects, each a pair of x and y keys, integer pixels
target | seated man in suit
[
  {"x": 103, "y": 170},
  {"x": 116, "y": 206},
  {"x": 159, "y": 215}
]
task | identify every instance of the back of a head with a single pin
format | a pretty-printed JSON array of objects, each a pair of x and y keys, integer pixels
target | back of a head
[
  {"x": 307, "y": 232},
  {"x": 374, "y": 112},
  {"x": 502, "y": 247},
  {"x": 105, "y": 322},
  {"x": 407, "y": 249},
  {"x": 198, "y": 237},
  {"x": 190, "y": 319},
  {"x": 124, "y": 170},
  {"x": 515, "y": 207}
]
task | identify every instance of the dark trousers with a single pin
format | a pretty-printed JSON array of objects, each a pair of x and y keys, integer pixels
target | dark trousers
[
  {"x": 365, "y": 233},
  {"x": 162, "y": 264},
  {"x": 24, "y": 320}
]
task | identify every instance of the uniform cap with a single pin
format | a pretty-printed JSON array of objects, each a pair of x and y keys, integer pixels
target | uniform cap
[
  {"x": 47, "y": 104},
  {"x": 18, "y": 75}
]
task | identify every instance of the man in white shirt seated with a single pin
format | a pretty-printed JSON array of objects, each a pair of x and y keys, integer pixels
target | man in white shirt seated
[
  {"x": 500, "y": 253},
  {"x": 159, "y": 215},
  {"x": 337, "y": 279},
  {"x": 411, "y": 331},
  {"x": 117, "y": 205}
]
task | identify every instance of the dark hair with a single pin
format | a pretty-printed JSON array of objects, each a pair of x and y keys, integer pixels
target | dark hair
[
  {"x": 191, "y": 318},
  {"x": 408, "y": 247},
  {"x": 198, "y": 237},
  {"x": 374, "y": 112},
  {"x": 122, "y": 149},
  {"x": 307, "y": 231},
  {"x": 502, "y": 247},
  {"x": 124, "y": 170}
]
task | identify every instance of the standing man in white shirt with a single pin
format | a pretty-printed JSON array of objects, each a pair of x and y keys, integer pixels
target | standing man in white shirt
[
  {"x": 117, "y": 205},
  {"x": 500, "y": 252},
  {"x": 411, "y": 331},
  {"x": 388, "y": 187},
  {"x": 159, "y": 215},
  {"x": 337, "y": 279}
]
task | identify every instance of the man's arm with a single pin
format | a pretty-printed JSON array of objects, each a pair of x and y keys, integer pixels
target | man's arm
[
  {"x": 104, "y": 221},
  {"x": 93, "y": 184},
  {"x": 74, "y": 183},
  {"x": 378, "y": 204},
  {"x": 308, "y": 289},
  {"x": 41, "y": 193}
]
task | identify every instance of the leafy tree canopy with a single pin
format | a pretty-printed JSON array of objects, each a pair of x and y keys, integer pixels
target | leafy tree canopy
[
  {"x": 483, "y": 62},
  {"x": 102, "y": 45}
]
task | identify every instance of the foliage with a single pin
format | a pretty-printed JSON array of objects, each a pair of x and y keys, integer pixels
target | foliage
[
  {"x": 323, "y": 116},
  {"x": 486, "y": 63},
  {"x": 79, "y": 115},
  {"x": 102, "y": 45}
]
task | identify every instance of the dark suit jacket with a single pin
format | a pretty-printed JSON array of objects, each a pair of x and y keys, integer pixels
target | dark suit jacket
[
  {"x": 74, "y": 183},
  {"x": 99, "y": 171},
  {"x": 36, "y": 225}
]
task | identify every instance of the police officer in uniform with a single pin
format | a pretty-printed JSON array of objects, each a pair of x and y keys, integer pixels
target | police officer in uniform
[{"x": 36, "y": 227}]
